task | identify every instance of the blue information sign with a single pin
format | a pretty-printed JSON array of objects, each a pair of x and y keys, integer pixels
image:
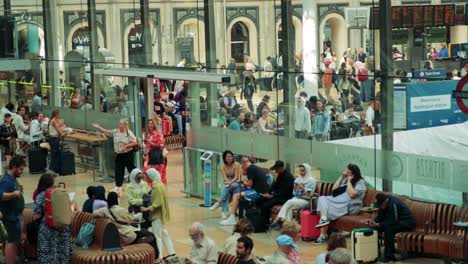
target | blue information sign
[
  {"x": 207, "y": 183},
  {"x": 431, "y": 74},
  {"x": 432, "y": 104}
]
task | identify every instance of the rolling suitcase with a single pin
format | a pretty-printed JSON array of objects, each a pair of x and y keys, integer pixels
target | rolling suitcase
[
  {"x": 67, "y": 163},
  {"x": 37, "y": 158},
  {"x": 309, "y": 219},
  {"x": 364, "y": 244}
]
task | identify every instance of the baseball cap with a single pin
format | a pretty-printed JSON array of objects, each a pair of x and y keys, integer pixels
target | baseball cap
[
  {"x": 278, "y": 164},
  {"x": 285, "y": 240}
]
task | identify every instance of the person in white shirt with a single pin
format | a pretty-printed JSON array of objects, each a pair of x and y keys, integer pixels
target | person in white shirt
[
  {"x": 370, "y": 115},
  {"x": 182, "y": 63},
  {"x": 455, "y": 75},
  {"x": 36, "y": 133},
  {"x": 204, "y": 250},
  {"x": 21, "y": 128},
  {"x": 269, "y": 74},
  {"x": 302, "y": 124}
]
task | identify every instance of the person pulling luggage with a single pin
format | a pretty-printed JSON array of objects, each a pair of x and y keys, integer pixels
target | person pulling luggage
[{"x": 393, "y": 216}]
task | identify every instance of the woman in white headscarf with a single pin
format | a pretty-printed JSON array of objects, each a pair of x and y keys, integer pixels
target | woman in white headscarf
[
  {"x": 136, "y": 189},
  {"x": 159, "y": 213},
  {"x": 302, "y": 123},
  {"x": 304, "y": 185}
]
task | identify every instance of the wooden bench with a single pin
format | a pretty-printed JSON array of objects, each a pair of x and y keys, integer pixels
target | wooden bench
[
  {"x": 434, "y": 234},
  {"x": 226, "y": 259},
  {"x": 106, "y": 247}
]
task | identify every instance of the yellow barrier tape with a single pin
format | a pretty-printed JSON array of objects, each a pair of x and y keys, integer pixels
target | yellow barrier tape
[{"x": 44, "y": 86}]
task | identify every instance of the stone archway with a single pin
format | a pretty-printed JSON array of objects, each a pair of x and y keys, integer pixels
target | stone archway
[
  {"x": 253, "y": 37},
  {"x": 154, "y": 42},
  {"x": 23, "y": 35},
  {"x": 338, "y": 34},
  {"x": 190, "y": 41},
  {"x": 80, "y": 41},
  {"x": 297, "y": 23}
]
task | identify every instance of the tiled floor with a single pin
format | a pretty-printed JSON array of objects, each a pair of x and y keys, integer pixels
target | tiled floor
[{"x": 184, "y": 211}]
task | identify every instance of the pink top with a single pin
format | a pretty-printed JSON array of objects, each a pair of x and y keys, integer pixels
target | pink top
[{"x": 294, "y": 257}]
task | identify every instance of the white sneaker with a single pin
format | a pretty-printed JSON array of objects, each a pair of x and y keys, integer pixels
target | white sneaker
[
  {"x": 322, "y": 223},
  {"x": 224, "y": 215},
  {"x": 231, "y": 220},
  {"x": 215, "y": 206},
  {"x": 320, "y": 240}
]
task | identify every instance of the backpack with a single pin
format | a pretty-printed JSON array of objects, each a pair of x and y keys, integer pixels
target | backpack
[
  {"x": 57, "y": 208},
  {"x": 86, "y": 235}
]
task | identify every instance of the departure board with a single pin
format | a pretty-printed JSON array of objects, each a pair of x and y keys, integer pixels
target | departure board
[
  {"x": 418, "y": 16},
  {"x": 428, "y": 16},
  {"x": 459, "y": 15},
  {"x": 449, "y": 15},
  {"x": 407, "y": 20},
  {"x": 397, "y": 16},
  {"x": 439, "y": 16},
  {"x": 466, "y": 14},
  {"x": 375, "y": 18}
]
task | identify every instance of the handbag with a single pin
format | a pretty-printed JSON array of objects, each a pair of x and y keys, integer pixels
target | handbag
[
  {"x": 3, "y": 233},
  {"x": 115, "y": 219},
  {"x": 339, "y": 190},
  {"x": 165, "y": 152},
  {"x": 155, "y": 156}
]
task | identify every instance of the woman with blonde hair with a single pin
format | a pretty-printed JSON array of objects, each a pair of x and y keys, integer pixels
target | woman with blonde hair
[
  {"x": 154, "y": 146},
  {"x": 124, "y": 145},
  {"x": 293, "y": 230}
]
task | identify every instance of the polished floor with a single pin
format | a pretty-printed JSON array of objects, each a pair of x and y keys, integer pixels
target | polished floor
[{"x": 184, "y": 211}]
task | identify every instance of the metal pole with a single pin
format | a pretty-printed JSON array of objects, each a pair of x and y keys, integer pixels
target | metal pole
[
  {"x": 210, "y": 57},
  {"x": 51, "y": 51},
  {"x": 386, "y": 66},
  {"x": 93, "y": 50}
]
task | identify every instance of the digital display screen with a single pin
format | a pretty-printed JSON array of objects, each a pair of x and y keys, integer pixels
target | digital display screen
[
  {"x": 459, "y": 15},
  {"x": 428, "y": 16},
  {"x": 396, "y": 16},
  {"x": 449, "y": 15},
  {"x": 407, "y": 17},
  {"x": 439, "y": 16},
  {"x": 418, "y": 16}
]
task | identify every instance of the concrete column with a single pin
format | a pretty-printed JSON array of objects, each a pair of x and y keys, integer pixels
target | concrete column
[
  {"x": 309, "y": 37},
  {"x": 269, "y": 32},
  {"x": 210, "y": 56},
  {"x": 220, "y": 28},
  {"x": 115, "y": 33},
  {"x": 93, "y": 50},
  {"x": 459, "y": 34},
  {"x": 145, "y": 22},
  {"x": 50, "y": 22},
  {"x": 170, "y": 33}
]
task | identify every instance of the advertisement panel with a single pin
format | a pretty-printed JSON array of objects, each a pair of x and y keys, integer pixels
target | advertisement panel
[{"x": 431, "y": 104}]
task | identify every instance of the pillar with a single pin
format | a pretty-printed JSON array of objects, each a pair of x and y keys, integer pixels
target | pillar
[
  {"x": 210, "y": 57},
  {"x": 50, "y": 22},
  {"x": 459, "y": 34},
  {"x": 309, "y": 37},
  {"x": 93, "y": 50},
  {"x": 386, "y": 65}
]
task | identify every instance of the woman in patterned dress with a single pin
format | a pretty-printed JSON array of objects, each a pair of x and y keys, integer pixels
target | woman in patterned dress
[
  {"x": 54, "y": 246},
  {"x": 154, "y": 140}
]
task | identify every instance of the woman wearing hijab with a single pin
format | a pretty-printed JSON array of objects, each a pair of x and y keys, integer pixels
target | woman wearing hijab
[
  {"x": 100, "y": 198},
  {"x": 135, "y": 191},
  {"x": 302, "y": 123},
  {"x": 304, "y": 184},
  {"x": 159, "y": 213}
]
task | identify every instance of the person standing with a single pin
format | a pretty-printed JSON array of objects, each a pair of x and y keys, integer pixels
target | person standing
[
  {"x": 159, "y": 213},
  {"x": 54, "y": 244},
  {"x": 56, "y": 128},
  {"x": 236, "y": 123},
  {"x": 76, "y": 99},
  {"x": 269, "y": 73},
  {"x": 321, "y": 123},
  {"x": 393, "y": 216},
  {"x": 136, "y": 190},
  {"x": 154, "y": 145},
  {"x": 280, "y": 192},
  {"x": 11, "y": 207},
  {"x": 302, "y": 124},
  {"x": 124, "y": 144},
  {"x": 244, "y": 249},
  {"x": 362, "y": 55},
  {"x": 36, "y": 133},
  {"x": 36, "y": 104},
  {"x": 443, "y": 52},
  {"x": 8, "y": 136}
]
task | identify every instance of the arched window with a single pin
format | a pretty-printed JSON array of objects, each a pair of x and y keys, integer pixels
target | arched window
[
  {"x": 239, "y": 41},
  {"x": 81, "y": 38},
  {"x": 280, "y": 38}
]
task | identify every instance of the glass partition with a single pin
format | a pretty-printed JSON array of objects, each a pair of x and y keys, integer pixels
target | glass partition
[{"x": 311, "y": 81}]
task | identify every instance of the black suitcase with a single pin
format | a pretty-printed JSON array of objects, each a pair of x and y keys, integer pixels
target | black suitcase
[
  {"x": 67, "y": 163},
  {"x": 254, "y": 215},
  {"x": 37, "y": 158}
]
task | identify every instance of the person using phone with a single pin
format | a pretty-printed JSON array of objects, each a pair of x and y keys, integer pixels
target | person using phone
[
  {"x": 347, "y": 195},
  {"x": 393, "y": 216}
]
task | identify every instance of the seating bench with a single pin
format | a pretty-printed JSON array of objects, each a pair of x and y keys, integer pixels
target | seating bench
[{"x": 106, "y": 247}]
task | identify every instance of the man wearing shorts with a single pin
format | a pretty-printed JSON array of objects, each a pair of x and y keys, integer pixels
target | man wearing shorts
[{"x": 11, "y": 207}]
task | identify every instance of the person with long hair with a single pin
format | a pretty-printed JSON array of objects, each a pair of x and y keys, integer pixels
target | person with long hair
[
  {"x": 230, "y": 170},
  {"x": 154, "y": 145},
  {"x": 347, "y": 195},
  {"x": 56, "y": 128},
  {"x": 122, "y": 221},
  {"x": 124, "y": 144},
  {"x": 54, "y": 244},
  {"x": 8, "y": 136},
  {"x": 304, "y": 185}
]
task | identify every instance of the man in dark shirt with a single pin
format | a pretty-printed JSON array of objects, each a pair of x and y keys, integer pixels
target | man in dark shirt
[
  {"x": 280, "y": 192},
  {"x": 244, "y": 249},
  {"x": 158, "y": 106},
  {"x": 11, "y": 206},
  {"x": 394, "y": 216},
  {"x": 362, "y": 55},
  {"x": 254, "y": 186}
]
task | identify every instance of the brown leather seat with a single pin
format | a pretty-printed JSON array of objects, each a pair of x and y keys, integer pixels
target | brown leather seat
[{"x": 226, "y": 259}]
